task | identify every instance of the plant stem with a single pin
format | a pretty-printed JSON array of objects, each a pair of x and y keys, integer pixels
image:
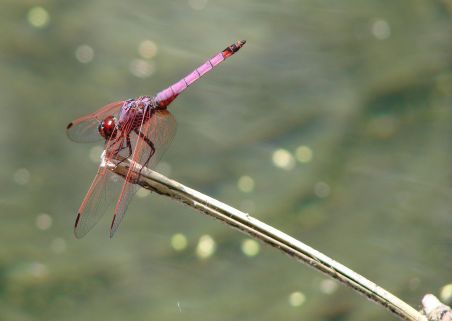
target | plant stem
[{"x": 258, "y": 230}]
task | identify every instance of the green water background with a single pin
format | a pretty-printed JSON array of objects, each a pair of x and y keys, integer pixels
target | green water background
[{"x": 364, "y": 85}]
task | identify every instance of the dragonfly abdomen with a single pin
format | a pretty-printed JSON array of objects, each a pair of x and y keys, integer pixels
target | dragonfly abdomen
[{"x": 166, "y": 96}]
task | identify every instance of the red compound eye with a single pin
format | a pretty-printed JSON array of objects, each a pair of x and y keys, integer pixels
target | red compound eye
[{"x": 107, "y": 127}]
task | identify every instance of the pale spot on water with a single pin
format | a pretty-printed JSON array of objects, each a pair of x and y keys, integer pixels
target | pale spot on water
[
  {"x": 43, "y": 221},
  {"x": 283, "y": 159},
  {"x": 296, "y": 299},
  {"x": 245, "y": 184},
  {"x": 206, "y": 247},
  {"x": 22, "y": 176},
  {"x": 381, "y": 29},
  {"x": 179, "y": 242},
  {"x": 303, "y": 154},
  {"x": 250, "y": 247},
  {"x": 322, "y": 189},
  {"x": 147, "y": 49},
  {"x": 445, "y": 293},
  {"x": 328, "y": 286},
  {"x": 84, "y": 54},
  {"x": 38, "y": 17}
]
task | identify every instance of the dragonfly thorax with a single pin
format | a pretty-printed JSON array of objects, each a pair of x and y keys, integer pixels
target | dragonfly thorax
[
  {"x": 135, "y": 112},
  {"x": 107, "y": 127}
]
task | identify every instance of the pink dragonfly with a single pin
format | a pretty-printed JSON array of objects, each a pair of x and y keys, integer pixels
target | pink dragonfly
[{"x": 139, "y": 129}]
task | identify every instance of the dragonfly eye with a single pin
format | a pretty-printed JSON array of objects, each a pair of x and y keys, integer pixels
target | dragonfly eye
[{"x": 107, "y": 127}]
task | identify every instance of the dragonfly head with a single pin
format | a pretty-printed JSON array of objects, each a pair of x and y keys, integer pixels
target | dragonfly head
[{"x": 107, "y": 127}]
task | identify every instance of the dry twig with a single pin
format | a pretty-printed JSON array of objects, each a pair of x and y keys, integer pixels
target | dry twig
[{"x": 258, "y": 230}]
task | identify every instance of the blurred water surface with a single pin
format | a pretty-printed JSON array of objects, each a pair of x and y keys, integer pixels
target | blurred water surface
[{"x": 332, "y": 124}]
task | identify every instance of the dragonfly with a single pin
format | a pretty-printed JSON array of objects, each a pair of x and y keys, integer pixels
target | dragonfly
[{"x": 138, "y": 129}]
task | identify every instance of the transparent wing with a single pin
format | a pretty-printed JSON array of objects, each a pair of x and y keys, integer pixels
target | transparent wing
[
  {"x": 101, "y": 196},
  {"x": 84, "y": 129},
  {"x": 102, "y": 193},
  {"x": 149, "y": 145}
]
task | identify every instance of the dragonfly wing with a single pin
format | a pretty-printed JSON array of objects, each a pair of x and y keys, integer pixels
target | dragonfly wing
[
  {"x": 104, "y": 189},
  {"x": 157, "y": 132},
  {"x": 100, "y": 196},
  {"x": 84, "y": 129}
]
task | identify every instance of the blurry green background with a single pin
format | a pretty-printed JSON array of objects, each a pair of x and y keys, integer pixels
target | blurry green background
[{"x": 333, "y": 123}]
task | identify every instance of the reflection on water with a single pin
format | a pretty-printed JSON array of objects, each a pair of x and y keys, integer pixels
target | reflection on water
[{"x": 332, "y": 123}]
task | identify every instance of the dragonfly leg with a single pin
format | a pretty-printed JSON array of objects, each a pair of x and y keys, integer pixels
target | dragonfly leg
[
  {"x": 150, "y": 144},
  {"x": 128, "y": 145}
]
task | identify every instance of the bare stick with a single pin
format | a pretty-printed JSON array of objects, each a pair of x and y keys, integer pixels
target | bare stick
[{"x": 162, "y": 185}]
